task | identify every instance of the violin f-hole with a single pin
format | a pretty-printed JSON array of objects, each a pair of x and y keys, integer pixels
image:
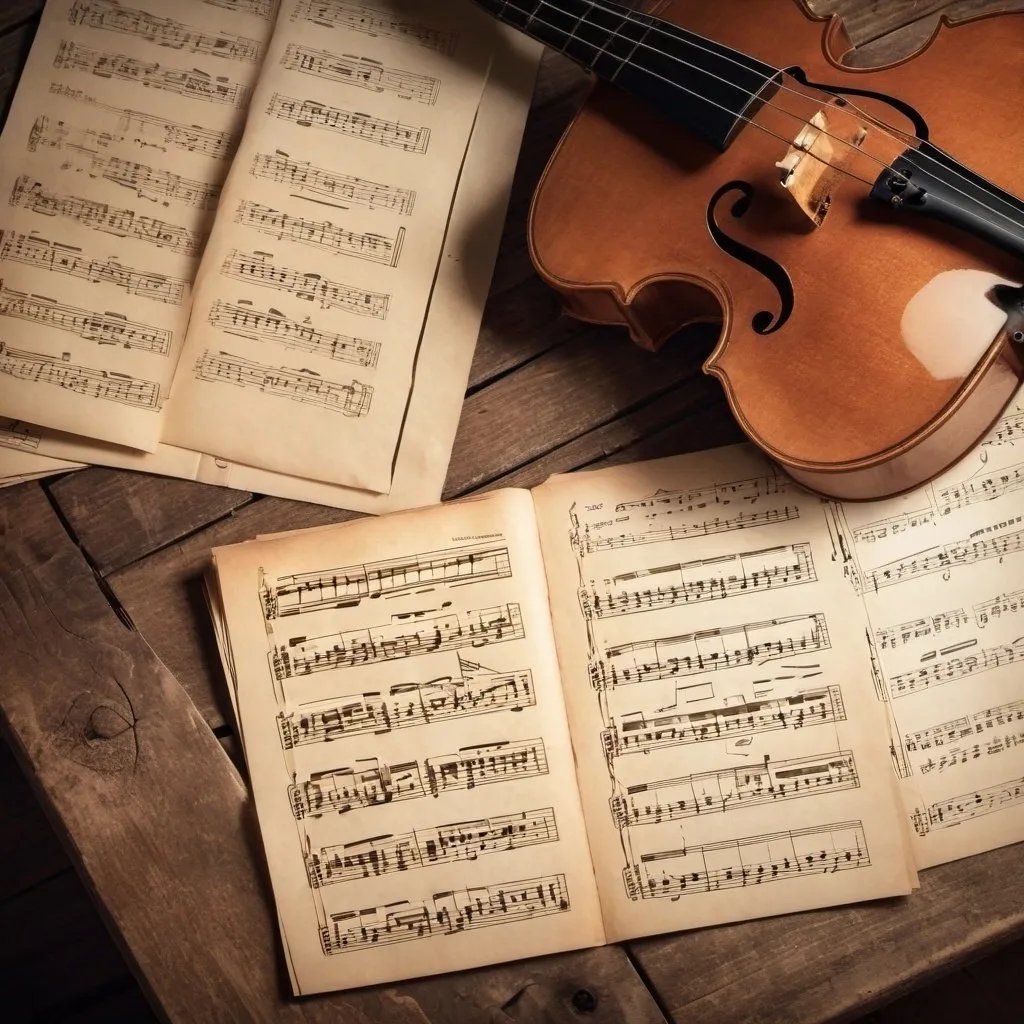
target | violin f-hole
[{"x": 763, "y": 322}]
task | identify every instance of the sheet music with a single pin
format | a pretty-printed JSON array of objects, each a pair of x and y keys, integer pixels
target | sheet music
[
  {"x": 113, "y": 156},
  {"x": 940, "y": 575},
  {"x": 332, "y": 225},
  {"x": 397, "y": 688},
  {"x": 731, "y": 755}
]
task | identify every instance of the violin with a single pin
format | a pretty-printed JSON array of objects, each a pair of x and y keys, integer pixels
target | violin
[{"x": 858, "y": 233}]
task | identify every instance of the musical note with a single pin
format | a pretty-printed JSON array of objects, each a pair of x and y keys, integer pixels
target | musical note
[
  {"x": 732, "y": 789},
  {"x": 747, "y": 572},
  {"x": 448, "y": 913},
  {"x": 257, "y": 268},
  {"x": 391, "y": 642},
  {"x": 278, "y": 329},
  {"x": 695, "y": 498},
  {"x": 68, "y": 259},
  {"x": 304, "y": 386},
  {"x": 191, "y": 138},
  {"x": 265, "y": 9},
  {"x": 587, "y": 544},
  {"x": 112, "y": 17},
  {"x": 940, "y": 559},
  {"x": 893, "y": 525},
  {"x": 993, "y": 609},
  {"x": 82, "y": 380},
  {"x": 476, "y": 691},
  {"x": 738, "y": 863},
  {"x": 103, "y": 328},
  {"x": 956, "y": 810},
  {"x": 19, "y": 436},
  {"x": 322, "y": 234},
  {"x": 639, "y": 734},
  {"x": 302, "y": 175},
  {"x": 124, "y": 223},
  {"x": 952, "y": 669},
  {"x": 896, "y": 636},
  {"x": 347, "y": 586},
  {"x": 969, "y": 492},
  {"x": 146, "y": 182},
  {"x": 339, "y": 790},
  {"x": 1008, "y": 430},
  {"x": 422, "y": 848},
  {"x": 710, "y": 650},
  {"x": 373, "y": 22},
  {"x": 194, "y": 84},
  {"x": 362, "y": 72},
  {"x": 380, "y": 132},
  {"x": 991, "y": 723}
]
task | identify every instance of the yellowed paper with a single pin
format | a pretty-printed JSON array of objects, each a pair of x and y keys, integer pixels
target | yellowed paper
[
  {"x": 112, "y": 157},
  {"x": 941, "y": 574},
  {"x": 407, "y": 743},
  {"x": 731, "y": 755},
  {"x": 311, "y": 301}
]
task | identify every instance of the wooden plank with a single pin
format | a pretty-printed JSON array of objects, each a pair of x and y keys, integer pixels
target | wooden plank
[
  {"x": 831, "y": 965},
  {"x": 14, "y": 12},
  {"x": 111, "y": 736},
  {"x": 118, "y": 517}
]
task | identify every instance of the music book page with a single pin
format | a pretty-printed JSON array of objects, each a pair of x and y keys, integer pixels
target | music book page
[
  {"x": 111, "y": 161},
  {"x": 732, "y": 756},
  {"x": 407, "y": 743},
  {"x": 310, "y": 306},
  {"x": 941, "y": 575}
]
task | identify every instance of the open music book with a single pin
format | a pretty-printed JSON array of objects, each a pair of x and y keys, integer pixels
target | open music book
[
  {"x": 251, "y": 245},
  {"x": 632, "y": 700}
]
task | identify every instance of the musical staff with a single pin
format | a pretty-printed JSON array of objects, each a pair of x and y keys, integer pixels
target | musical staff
[
  {"x": 732, "y": 789},
  {"x": 969, "y": 492},
  {"x": 339, "y": 790},
  {"x": 476, "y": 691},
  {"x": 747, "y": 572},
  {"x": 449, "y": 632},
  {"x": 422, "y": 848},
  {"x": 374, "y": 22},
  {"x": 110, "y": 16},
  {"x": 302, "y": 175},
  {"x": 1009, "y": 430},
  {"x": 322, "y": 234},
  {"x": 278, "y": 329},
  {"x": 952, "y": 669},
  {"x": 265, "y": 9},
  {"x": 448, "y": 913},
  {"x": 257, "y": 268},
  {"x": 995, "y": 608},
  {"x": 893, "y": 525},
  {"x": 123, "y": 223},
  {"x": 81, "y": 380},
  {"x": 711, "y": 650},
  {"x": 103, "y": 328},
  {"x": 361, "y": 72},
  {"x": 19, "y": 436},
  {"x": 587, "y": 544},
  {"x": 347, "y": 586},
  {"x": 939, "y": 559},
  {"x": 377, "y": 130},
  {"x": 195, "y": 84},
  {"x": 956, "y": 810},
  {"x": 639, "y": 734},
  {"x": 757, "y": 860},
  {"x": 750, "y": 490},
  {"x": 281, "y": 382},
  {"x": 890, "y": 637},
  {"x": 68, "y": 259},
  {"x": 190, "y": 138},
  {"x": 994, "y": 724},
  {"x": 146, "y": 182}
]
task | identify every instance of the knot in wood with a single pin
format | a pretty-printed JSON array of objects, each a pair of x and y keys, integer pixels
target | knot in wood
[{"x": 98, "y": 732}]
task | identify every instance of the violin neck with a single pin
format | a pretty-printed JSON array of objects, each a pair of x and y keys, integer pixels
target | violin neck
[{"x": 706, "y": 88}]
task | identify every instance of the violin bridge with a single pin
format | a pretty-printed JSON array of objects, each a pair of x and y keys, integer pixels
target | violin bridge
[{"x": 811, "y": 170}]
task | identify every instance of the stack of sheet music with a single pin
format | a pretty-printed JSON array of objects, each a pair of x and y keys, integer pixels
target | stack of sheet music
[{"x": 250, "y": 244}]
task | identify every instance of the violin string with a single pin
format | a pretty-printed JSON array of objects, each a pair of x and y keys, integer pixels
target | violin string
[{"x": 885, "y": 128}]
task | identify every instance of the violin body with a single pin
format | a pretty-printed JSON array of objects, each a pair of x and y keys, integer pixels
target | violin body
[{"x": 865, "y": 353}]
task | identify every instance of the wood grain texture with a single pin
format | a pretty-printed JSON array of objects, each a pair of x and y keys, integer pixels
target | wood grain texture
[{"x": 111, "y": 737}]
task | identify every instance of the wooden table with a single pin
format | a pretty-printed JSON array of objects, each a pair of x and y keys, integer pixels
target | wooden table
[{"x": 117, "y": 709}]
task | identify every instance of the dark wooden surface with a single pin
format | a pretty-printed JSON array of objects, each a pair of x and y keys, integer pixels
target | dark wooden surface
[{"x": 152, "y": 902}]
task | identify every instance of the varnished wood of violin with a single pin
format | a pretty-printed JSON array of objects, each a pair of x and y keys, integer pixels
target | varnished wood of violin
[{"x": 863, "y": 391}]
